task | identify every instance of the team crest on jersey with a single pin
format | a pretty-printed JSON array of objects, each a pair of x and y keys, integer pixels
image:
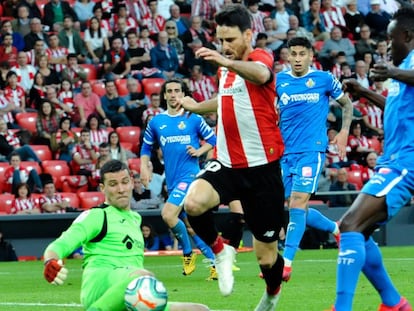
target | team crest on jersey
[
  {"x": 310, "y": 83},
  {"x": 181, "y": 125},
  {"x": 182, "y": 186},
  {"x": 307, "y": 171}
]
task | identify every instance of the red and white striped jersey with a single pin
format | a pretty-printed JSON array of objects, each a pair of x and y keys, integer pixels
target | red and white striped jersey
[
  {"x": 56, "y": 198},
  {"x": 25, "y": 76},
  {"x": 98, "y": 136},
  {"x": 4, "y": 102},
  {"x": 56, "y": 53},
  {"x": 141, "y": 9},
  {"x": 247, "y": 131},
  {"x": 15, "y": 96},
  {"x": 19, "y": 205},
  {"x": 84, "y": 154},
  {"x": 130, "y": 23},
  {"x": 155, "y": 25},
  {"x": 11, "y": 139},
  {"x": 204, "y": 87},
  {"x": 146, "y": 44}
]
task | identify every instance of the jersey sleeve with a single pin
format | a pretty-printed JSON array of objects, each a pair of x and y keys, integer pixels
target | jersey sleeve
[
  {"x": 149, "y": 139},
  {"x": 336, "y": 87},
  {"x": 83, "y": 229},
  {"x": 206, "y": 132},
  {"x": 263, "y": 57}
]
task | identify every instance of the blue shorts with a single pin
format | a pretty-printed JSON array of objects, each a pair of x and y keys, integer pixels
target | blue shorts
[
  {"x": 394, "y": 182},
  {"x": 301, "y": 171},
  {"x": 179, "y": 192}
]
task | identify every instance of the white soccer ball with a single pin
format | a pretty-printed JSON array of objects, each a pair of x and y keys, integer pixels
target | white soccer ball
[{"x": 146, "y": 293}]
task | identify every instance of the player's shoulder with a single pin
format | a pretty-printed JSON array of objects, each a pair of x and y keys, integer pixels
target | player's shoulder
[{"x": 261, "y": 55}]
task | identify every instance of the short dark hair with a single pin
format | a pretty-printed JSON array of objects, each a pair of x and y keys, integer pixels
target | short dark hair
[
  {"x": 184, "y": 89},
  {"x": 113, "y": 166},
  {"x": 404, "y": 18},
  {"x": 234, "y": 15},
  {"x": 300, "y": 41}
]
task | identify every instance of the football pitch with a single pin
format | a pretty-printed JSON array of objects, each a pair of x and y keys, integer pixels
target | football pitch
[{"x": 312, "y": 287}]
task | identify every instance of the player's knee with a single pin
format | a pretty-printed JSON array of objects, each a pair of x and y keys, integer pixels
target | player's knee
[
  {"x": 193, "y": 207},
  {"x": 169, "y": 215}
]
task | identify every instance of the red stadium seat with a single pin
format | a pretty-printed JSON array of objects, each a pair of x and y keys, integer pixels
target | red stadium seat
[
  {"x": 56, "y": 168},
  {"x": 98, "y": 87},
  {"x": 43, "y": 152},
  {"x": 30, "y": 165},
  {"x": 72, "y": 198},
  {"x": 134, "y": 164},
  {"x": 355, "y": 177},
  {"x": 6, "y": 200},
  {"x": 27, "y": 120},
  {"x": 130, "y": 134},
  {"x": 91, "y": 199},
  {"x": 76, "y": 130},
  {"x": 74, "y": 183},
  {"x": 91, "y": 71},
  {"x": 375, "y": 144},
  {"x": 121, "y": 86},
  {"x": 152, "y": 85},
  {"x": 3, "y": 167}
]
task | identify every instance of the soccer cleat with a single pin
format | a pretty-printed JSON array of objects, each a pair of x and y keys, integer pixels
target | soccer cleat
[
  {"x": 287, "y": 272},
  {"x": 224, "y": 266},
  {"x": 189, "y": 264},
  {"x": 268, "y": 302},
  {"x": 213, "y": 274},
  {"x": 403, "y": 305}
]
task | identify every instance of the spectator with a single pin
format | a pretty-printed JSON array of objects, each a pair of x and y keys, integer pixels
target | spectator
[
  {"x": 84, "y": 155},
  {"x": 50, "y": 201},
  {"x": 164, "y": 57},
  {"x": 97, "y": 133},
  {"x": 354, "y": 19},
  {"x": 314, "y": 22},
  {"x": 50, "y": 76},
  {"x": 183, "y": 24},
  {"x": 372, "y": 115},
  {"x": 154, "y": 21},
  {"x": 341, "y": 184},
  {"x": 361, "y": 74},
  {"x": 96, "y": 42},
  {"x": 196, "y": 31},
  {"x": 57, "y": 54},
  {"x": 114, "y": 106},
  {"x": 63, "y": 141},
  {"x": 333, "y": 160},
  {"x": 136, "y": 102},
  {"x": 144, "y": 39},
  {"x": 84, "y": 11},
  {"x": 281, "y": 17},
  {"x": 173, "y": 40},
  {"x": 36, "y": 33},
  {"x": 300, "y": 31},
  {"x": 334, "y": 45},
  {"x": 14, "y": 93},
  {"x": 256, "y": 16},
  {"x": 7, "y": 28},
  {"x": 117, "y": 63},
  {"x": 128, "y": 21},
  {"x": 87, "y": 103},
  {"x": 368, "y": 170},
  {"x": 121, "y": 31},
  {"x": 61, "y": 108},
  {"x": 34, "y": 11},
  {"x": 23, "y": 202},
  {"x": 34, "y": 54},
  {"x": 74, "y": 73},
  {"x": 103, "y": 22},
  {"x": 332, "y": 16},
  {"x": 37, "y": 92},
  {"x": 365, "y": 43},
  {"x": 8, "y": 53},
  {"x": 116, "y": 152},
  {"x": 274, "y": 40},
  {"x": 382, "y": 55},
  {"x": 153, "y": 109},
  {"x": 205, "y": 10},
  {"x": 4, "y": 70},
  {"x": 6, "y": 108},
  {"x": 47, "y": 122},
  {"x": 10, "y": 144},
  {"x": 54, "y": 13},
  {"x": 16, "y": 174},
  {"x": 25, "y": 73},
  {"x": 65, "y": 96},
  {"x": 377, "y": 20},
  {"x": 70, "y": 38},
  {"x": 358, "y": 144},
  {"x": 7, "y": 252},
  {"x": 151, "y": 239},
  {"x": 201, "y": 86}
]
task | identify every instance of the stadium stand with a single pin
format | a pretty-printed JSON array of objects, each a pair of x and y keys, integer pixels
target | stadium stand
[
  {"x": 27, "y": 120},
  {"x": 130, "y": 134},
  {"x": 43, "y": 152},
  {"x": 56, "y": 168},
  {"x": 152, "y": 85},
  {"x": 72, "y": 198},
  {"x": 91, "y": 199},
  {"x": 6, "y": 200}
]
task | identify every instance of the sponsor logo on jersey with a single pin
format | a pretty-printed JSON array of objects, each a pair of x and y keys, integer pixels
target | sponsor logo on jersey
[
  {"x": 182, "y": 186},
  {"x": 307, "y": 171},
  {"x": 181, "y": 139}
]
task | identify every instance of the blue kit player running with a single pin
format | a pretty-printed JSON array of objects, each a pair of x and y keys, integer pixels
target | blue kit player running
[
  {"x": 178, "y": 134},
  {"x": 303, "y": 100},
  {"x": 392, "y": 186}
]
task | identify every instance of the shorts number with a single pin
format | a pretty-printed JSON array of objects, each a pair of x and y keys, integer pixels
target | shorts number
[{"x": 212, "y": 166}]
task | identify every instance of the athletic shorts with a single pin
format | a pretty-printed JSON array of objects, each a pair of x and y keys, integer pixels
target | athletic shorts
[
  {"x": 301, "y": 171},
  {"x": 179, "y": 192},
  {"x": 260, "y": 190},
  {"x": 394, "y": 182}
]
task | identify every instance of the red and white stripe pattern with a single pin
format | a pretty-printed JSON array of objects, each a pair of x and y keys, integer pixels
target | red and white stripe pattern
[
  {"x": 7, "y": 117},
  {"x": 204, "y": 87},
  {"x": 146, "y": 44},
  {"x": 155, "y": 25},
  {"x": 19, "y": 205},
  {"x": 27, "y": 75},
  {"x": 86, "y": 155},
  {"x": 247, "y": 132},
  {"x": 14, "y": 96},
  {"x": 56, "y": 198},
  {"x": 98, "y": 136},
  {"x": 57, "y": 53},
  {"x": 12, "y": 139}
]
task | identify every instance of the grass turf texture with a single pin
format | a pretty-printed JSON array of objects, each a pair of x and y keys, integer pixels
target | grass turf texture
[{"x": 312, "y": 286}]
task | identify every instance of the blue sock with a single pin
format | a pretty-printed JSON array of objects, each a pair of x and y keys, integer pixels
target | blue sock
[
  {"x": 180, "y": 232},
  {"x": 351, "y": 259},
  {"x": 295, "y": 230},
  {"x": 204, "y": 248},
  {"x": 317, "y": 220},
  {"x": 375, "y": 272}
]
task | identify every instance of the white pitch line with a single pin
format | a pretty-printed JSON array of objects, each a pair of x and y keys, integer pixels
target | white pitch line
[{"x": 41, "y": 304}]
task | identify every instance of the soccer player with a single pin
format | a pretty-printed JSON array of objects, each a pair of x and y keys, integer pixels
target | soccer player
[
  {"x": 112, "y": 243},
  {"x": 249, "y": 146},
  {"x": 303, "y": 100},
  {"x": 178, "y": 134},
  {"x": 392, "y": 186}
]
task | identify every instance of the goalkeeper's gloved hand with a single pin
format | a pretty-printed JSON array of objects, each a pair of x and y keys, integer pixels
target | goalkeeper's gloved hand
[{"x": 55, "y": 272}]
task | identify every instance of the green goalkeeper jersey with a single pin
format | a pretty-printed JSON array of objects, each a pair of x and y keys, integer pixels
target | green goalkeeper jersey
[{"x": 121, "y": 246}]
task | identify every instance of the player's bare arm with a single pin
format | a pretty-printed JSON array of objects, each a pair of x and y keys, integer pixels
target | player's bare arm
[
  {"x": 200, "y": 151},
  {"x": 145, "y": 173},
  {"x": 383, "y": 71},
  {"x": 341, "y": 139},
  {"x": 353, "y": 87},
  {"x": 191, "y": 105}
]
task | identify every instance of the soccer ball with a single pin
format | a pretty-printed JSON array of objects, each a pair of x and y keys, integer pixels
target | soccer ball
[{"x": 146, "y": 293}]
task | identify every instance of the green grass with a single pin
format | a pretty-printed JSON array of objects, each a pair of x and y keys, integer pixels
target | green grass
[{"x": 312, "y": 286}]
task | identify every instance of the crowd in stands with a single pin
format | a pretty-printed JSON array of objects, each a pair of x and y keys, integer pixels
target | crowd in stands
[{"x": 78, "y": 76}]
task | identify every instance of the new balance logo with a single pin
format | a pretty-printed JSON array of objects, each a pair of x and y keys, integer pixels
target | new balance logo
[
  {"x": 163, "y": 127},
  {"x": 269, "y": 234}
]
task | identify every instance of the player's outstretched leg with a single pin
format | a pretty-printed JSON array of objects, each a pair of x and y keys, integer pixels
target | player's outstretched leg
[
  {"x": 317, "y": 220},
  {"x": 208, "y": 253}
]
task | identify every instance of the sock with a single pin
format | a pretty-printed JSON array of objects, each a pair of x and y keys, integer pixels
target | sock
[
  {"x": 233, "y": 232},
  {"x": 204, "y": 248},
  {"x": 295, "y": 230},
  {"x": 180, "y": 232},
  {"x": 317, "y": 220},
  {"x": 204, "y": 226},
  {"x": 375, "y": 272},
  {"x": 351, "y": 259},
  {"x": 273, "y": 276}
]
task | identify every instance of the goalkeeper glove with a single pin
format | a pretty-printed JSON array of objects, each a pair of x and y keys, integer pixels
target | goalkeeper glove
[{"x": 54, "y": 272}]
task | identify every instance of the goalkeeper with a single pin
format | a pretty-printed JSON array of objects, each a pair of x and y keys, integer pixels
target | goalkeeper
[{"x": 112, "y": 243}]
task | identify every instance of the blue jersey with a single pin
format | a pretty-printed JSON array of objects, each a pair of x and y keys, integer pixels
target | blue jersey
[
  {"x": 174, "y": 133},
  {"x": 399, "y": 120},
  {"x": 304, "y": 106}
]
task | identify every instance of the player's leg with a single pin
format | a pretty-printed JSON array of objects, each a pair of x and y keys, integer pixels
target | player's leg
[
  {"x": 170, "y": 212},
  {"x": 317, "y": 220},
  {"x": 233, "y": 233}
]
